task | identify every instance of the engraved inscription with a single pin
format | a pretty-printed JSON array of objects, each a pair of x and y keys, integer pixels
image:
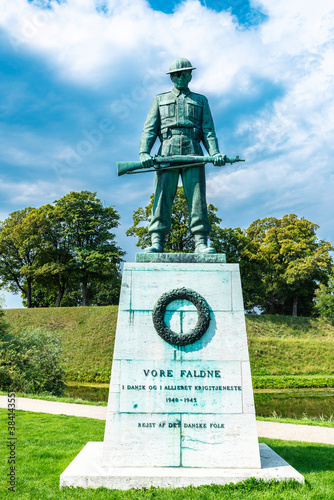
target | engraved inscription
[
  {"x": 178, "y": 424},
  {"x": 181, "y": 387}
]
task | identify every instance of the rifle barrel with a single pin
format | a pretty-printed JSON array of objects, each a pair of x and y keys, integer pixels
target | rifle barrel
[{"x": 127, "y": 167}]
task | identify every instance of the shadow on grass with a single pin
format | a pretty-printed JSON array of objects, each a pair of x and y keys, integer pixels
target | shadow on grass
[{"x": 306, "y": 458}]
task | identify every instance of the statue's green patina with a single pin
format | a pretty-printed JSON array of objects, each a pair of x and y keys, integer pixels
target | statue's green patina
[{"x": 182, "y": 120}]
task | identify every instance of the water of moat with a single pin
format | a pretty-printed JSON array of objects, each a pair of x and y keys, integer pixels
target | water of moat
[{"x": 290, "y": 403}]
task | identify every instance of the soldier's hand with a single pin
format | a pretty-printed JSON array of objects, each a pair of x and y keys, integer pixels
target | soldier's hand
[
  {"x": 146, "y": 160},
  {"x": 219, "y": 160}
]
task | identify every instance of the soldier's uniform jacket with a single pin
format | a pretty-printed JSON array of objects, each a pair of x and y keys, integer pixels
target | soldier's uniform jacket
[{"x": 181, "y": 120}]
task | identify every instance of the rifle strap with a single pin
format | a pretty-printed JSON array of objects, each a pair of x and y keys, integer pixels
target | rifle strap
[{"x": 163, "y": 169}]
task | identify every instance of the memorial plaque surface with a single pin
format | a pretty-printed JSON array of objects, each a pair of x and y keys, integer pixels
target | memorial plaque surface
[
  {"x": 180, "y": 387},
  {"x": 193, "y": 400}
]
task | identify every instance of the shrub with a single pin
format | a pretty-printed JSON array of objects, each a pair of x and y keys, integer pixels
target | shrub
[{"x": 31, "y": 362}]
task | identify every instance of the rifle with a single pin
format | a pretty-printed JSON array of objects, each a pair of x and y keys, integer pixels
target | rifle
[{"x": 161, "y": 163}]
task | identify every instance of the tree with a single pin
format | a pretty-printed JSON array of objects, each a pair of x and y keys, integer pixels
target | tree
[
  {"x": 78, "y": 251},
  {"x": 52, "y": 252},
  {"x": 292, "y": 261},
  {"x": 54, "y": 266},
  {"x": 179, "y": 239},
  {"x": 86, "y": 229},
  {"x": 19, "y": 247}
]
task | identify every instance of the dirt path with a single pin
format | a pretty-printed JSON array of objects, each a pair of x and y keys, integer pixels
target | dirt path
[{"x": 274, "y": 430}]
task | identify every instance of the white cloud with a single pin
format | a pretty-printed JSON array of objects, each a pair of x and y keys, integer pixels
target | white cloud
[
  {"x": 33, "y": 193},
  {"x": 86, "y": 45},
  {"x": 288, "y": 143}
]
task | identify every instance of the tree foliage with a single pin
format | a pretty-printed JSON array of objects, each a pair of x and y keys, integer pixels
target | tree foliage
[
  {"x": 54, "y": 266},
  {"x": 325, "y": 298},
  {"x": 292, "y": 262},
  {"x": 87, "y": 230},
  {"x": 19, "y": 247},
  {"x": 62, "y": 253}
]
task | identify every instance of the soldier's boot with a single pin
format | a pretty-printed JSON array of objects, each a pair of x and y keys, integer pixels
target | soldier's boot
[
  {"x": 201, "y": 244},
  {"x": 158, "y": 242}
]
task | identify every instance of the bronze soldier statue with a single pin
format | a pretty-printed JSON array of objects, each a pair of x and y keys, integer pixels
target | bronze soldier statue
[{"x": 182, "y": 120}]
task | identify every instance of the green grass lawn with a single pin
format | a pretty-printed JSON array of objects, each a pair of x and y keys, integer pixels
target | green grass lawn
[{"x": 46, "y": 444}]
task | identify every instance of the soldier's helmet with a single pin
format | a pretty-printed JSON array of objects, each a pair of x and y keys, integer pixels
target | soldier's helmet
[{"x": 180, "y": 64}]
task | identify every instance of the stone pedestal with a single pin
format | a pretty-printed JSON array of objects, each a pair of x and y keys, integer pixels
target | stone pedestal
[{"x": 178, "y": 414}]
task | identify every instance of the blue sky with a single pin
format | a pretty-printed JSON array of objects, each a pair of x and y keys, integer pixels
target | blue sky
[{"x": 78, "y": 78}]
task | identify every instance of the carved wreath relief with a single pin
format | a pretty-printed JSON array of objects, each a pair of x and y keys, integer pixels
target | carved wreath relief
[{"x": 193, "y": 335}]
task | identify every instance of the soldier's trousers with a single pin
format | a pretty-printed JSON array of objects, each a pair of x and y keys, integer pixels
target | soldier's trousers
[{"x": 193, "y": 180}]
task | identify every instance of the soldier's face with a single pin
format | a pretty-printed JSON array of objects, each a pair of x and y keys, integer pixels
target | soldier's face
[{"x": 181, "y": 79}]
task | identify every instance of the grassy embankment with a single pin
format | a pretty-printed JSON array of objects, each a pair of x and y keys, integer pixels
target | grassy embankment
[
  {"x": 46, "y": 444},
  {"x": 284, "y": 351}
]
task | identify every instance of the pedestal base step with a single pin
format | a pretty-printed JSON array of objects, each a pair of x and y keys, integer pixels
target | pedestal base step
[{"x": 88, "y": 471}]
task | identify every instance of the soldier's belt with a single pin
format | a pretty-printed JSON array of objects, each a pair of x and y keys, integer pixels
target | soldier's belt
[{"x": 190, "y": 132}]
